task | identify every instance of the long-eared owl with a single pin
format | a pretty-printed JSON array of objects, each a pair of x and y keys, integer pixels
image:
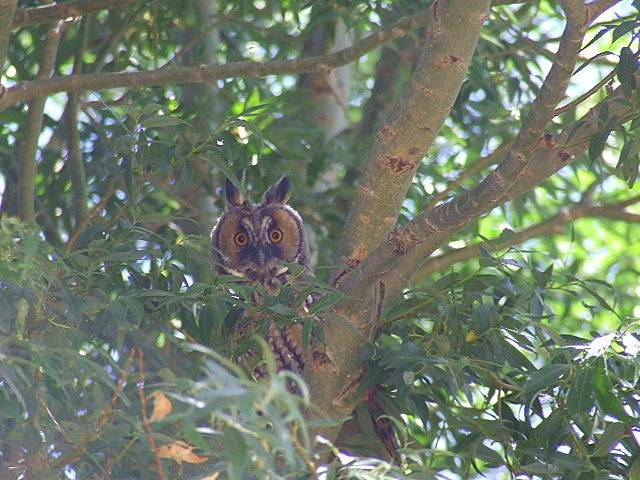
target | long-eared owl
[{"x": 256, "y": 241}]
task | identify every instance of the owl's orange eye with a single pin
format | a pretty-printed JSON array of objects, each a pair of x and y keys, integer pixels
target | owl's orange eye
[
  {"x": 275, "y": 235},
  {"x": 241, "y": 239}
]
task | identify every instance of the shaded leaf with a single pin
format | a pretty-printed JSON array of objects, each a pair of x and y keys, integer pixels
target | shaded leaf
[
  {"x": 581, "y": 393},
  {"x": 237, "y": 451},
  {"x": 609, "y": 439},
  {"x": 605, "y": 394},
  {"x": 158, "y": 121},
  {"x": 544, "y": 379}
]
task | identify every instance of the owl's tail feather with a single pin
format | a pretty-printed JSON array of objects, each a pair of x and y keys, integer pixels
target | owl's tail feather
[
  {"x": 371, "y": 430},
  {"x": 383, "y": 426}
]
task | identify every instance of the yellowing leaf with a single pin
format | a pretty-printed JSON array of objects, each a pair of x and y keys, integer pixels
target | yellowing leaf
[
  {"x": 162, "y": 406},
  {"x": 179, "y": 452}
]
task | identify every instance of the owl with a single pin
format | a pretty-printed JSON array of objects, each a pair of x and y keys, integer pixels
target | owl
[{"x": 256, "y": 242}]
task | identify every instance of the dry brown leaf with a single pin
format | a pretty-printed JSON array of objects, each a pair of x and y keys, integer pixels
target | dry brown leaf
[
  {"x": 180, "y": 451},
  {"x": 162, "y": 406}
]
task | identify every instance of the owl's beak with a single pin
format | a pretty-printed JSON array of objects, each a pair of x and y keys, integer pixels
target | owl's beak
[{"x": 259, "y": 257}]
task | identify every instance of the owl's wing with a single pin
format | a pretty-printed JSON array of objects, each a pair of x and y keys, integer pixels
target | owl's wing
[{"x": 289, "y": 351}]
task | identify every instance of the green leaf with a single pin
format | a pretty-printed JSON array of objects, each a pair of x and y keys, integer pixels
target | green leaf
[
  {"x": 609, "y": 439},
  {"x": 131, "y": 111},
  {"x": 159, "y": 121},
  {"x": 624, "y": 28},
  {"x": 151, "y": 108},
  {"x": 154, "y": 217},
  {"x": 566, "y": 462},
  {"x": 237, "y": 452},
  {"x": 590, "y": 60},
  {"x": 597, "y": 143},
  {"x": 626, "y": 70},
  {"x": 629, "y": 161},
  {"x": 325, "y": 302},
  {"x": 603, "y": 31},
  {"x": 544, "y": 379},
  {"x": 607, "y": 400},
  {"x": 580, "y": 399},
  {"x": 232, "y": 150}
]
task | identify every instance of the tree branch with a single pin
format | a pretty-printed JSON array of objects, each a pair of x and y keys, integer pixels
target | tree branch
[
  {"x": 25, "y": 17},
  {"x": 402, "y": 55},
  {"x": 452, "y": 34},
  {"x": 393, "y": 266},
  {"x": 552, "y": 226},
  {"x": 29, "y": 145},
  {"x": 26, "y": 91},
  {"x": 597, "y": 7},
  {"x": 75, "y": 162},
  {"x": 409, "y": 246},
  {"x": 404, "y": 139},
  {"x": 7, "y": 12},
  {"x": 382, "y": 275}
]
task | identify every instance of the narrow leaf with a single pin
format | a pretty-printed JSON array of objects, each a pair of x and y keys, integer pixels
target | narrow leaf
[
  {"x": 607, "y": 400},
  {"x": 611, "y": 437},
  {"x": 580, "y": 399},
  {"x": 544, "y": 378},
  {"x": 237, "y": 451},
  {"x": 325, "y": 302},
  {"x": 158, "y": 121}
]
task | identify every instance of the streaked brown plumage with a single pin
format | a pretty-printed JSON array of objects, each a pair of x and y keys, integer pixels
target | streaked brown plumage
[{"x": 255, "y": 241}]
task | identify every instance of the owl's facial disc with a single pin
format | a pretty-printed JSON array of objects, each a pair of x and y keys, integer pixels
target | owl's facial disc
[
  {"x": 254, "y": 241},
  {"x": 259, "y": 252}
]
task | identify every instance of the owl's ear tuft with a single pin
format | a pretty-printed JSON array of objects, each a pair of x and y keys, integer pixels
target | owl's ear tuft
[
  {"x": 235, "y": 198},
  {"x": 280, "y": 192}
]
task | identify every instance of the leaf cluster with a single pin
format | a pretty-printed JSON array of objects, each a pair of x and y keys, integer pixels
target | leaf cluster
[
  {"x": 493, "y": 382},
  {"x": 522, "y": 364}
]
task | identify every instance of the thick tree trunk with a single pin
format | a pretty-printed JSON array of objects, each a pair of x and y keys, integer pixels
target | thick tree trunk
[{"x": 402, "y": 142}]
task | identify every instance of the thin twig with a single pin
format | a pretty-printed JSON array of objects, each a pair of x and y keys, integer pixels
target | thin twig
[
  {"x": 25, "y": 91},
  {"x": 586, "y": 95},
  {"x": 25, "y": 17},
  {"x": 95, "y": 212},
  {"x": 145, "y": 418},
  {"x": 552, "y": 226},
  {"x": 102, "y": 421},
  {"x": 74, "y": 153}
]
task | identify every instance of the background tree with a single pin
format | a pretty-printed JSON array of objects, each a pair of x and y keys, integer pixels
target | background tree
[{"x": 466, "y": 172}]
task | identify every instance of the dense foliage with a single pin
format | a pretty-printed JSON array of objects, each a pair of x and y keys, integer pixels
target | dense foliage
[{"x": 512, "y": 350}]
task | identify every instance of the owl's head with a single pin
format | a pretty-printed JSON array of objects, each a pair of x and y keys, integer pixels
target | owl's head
[{"x": 252, "y": 240}]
